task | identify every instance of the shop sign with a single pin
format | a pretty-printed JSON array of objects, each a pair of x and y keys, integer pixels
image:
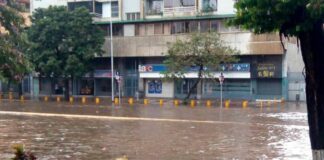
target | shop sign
[
  {"x": 236, "y": 67},
  {"x": 267, "y": 70},
  {"x": 155, "y": 87},
  {"x": 151, "y": 68}
]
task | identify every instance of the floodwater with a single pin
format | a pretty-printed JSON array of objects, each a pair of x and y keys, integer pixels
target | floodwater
[{"x": 60, "y": 131}]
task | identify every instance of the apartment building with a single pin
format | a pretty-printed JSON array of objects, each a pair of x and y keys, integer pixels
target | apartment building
[{"x": 141, "y": 30}]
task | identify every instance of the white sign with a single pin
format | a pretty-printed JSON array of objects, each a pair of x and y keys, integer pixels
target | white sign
[{"x": 221, "y": 78}]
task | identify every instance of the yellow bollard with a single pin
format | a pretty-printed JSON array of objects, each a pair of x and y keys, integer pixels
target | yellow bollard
[
  {"x": 227, "y": 103},
  {"x": 176, "y": 102},
  {"x": 58, "y": 99},
  {"x": 97, "y": 100},
  {"x": 22, "y": 98},
  {"x": 71, "y": 99},
  {"x": 45, "y": 98},
  {"x": 208, "y": 103},
  {"x": 10, "y": 96},
  {"x": 192, "y": 103},
  {"x": 116, "y": 101},
  {"x": 84, "y": 100},
  {"x": 146, "y": 101},
  {"x": 161, "y": 102},
  {"x": 131, "y": 101},
  {"x": 245, "y": 104}
]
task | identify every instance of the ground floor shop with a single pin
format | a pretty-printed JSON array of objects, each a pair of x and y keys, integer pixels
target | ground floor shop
[{"x": 253, "y": 77}]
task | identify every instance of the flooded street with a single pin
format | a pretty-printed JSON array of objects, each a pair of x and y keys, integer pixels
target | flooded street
[{"x": 59, "y": 131}]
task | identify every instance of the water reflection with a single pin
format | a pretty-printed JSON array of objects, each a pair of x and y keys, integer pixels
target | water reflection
[{"x": 252, "y": 133}]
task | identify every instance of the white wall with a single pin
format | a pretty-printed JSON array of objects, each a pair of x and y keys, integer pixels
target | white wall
[
  {"x": 223, "y": 6},
  {"x": 131, "y": 6},
  {"x": 34, "y": 4},
  {"x": 129, "y": 30},
  {"x": 167, "y": 90}
]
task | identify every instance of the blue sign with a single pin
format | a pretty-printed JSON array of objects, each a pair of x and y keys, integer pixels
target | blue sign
[
  {"x": 155, "y": 87},
  {"x": 235, "y": 67}
]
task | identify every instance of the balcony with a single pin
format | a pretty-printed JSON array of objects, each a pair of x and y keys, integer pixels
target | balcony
[
  {"x": 180, "y": 11},
  {"x": 156, "y": 46}
]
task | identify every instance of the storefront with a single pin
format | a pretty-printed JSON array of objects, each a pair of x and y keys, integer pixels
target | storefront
[
  {"x": 237, "y": 82},
  {"x": 267, "y": 77}
]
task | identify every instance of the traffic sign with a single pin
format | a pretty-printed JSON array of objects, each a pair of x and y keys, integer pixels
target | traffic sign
[{"x": 221, "y": 78}]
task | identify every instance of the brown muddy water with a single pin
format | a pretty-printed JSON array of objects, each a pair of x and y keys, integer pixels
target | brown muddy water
[{"x": 60, "y": 131}]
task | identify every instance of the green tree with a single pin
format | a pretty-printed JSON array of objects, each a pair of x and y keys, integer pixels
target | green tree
[
  {"x": 302, "y": 19},
  {"x": 64, "y": 43},
  {"x": 13, "y": 63},
  {"x": 203, "y": 51}
]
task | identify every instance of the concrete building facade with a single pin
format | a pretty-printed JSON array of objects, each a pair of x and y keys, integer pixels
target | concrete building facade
[{"x": 141, "y": 31}]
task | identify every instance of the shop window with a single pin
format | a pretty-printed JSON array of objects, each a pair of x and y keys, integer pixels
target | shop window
[
  {"x": 183, "y": 86},
  {"x": 180, "y": 27},
  {"x": 140, "y": 29},
  {"x": 86, "y": 87},
  {"x": 158, "y": 28},
  {"x": 204, "y": 26},
  {"x": 118, "y": 30},
  {"x": 193, "y": 26},
  {"x": 114, "y": 9}
]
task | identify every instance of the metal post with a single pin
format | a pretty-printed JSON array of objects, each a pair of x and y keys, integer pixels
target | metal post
[
  {"x": 112, "y": 60},
  {"x": 119, "y": 95},
  {"x": 221, "y": 94}
]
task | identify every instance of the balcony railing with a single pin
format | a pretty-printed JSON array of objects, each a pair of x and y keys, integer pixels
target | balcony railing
[
  {"x": 144, "y": 46},
  {"x": 180, "y": 11},
  {"x": 154, "y": 12}
]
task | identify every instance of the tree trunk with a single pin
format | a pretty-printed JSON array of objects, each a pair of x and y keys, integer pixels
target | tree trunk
[
  {"x": 67, "y": 89},
  {"x": 192, "y": 88},
  {"x": 313, "y": 55},
  {"x": 20, "y": 89}
]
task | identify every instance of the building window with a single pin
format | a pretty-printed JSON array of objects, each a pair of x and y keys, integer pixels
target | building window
[
  {"x": 214, "y": 25},
  {"x": 133, "y": 16},
  {"x": 180, "y": 27},
  {"x": 114, "y": 9},
  {"x": 178, "y": 3},
  {"x": 118, "y": 30},
  {"x": 209, "y": 5},
  {"x": 154, "y": 7},
  {"x": 204, "y": 26},
  {"x": 158, "y": 28}
]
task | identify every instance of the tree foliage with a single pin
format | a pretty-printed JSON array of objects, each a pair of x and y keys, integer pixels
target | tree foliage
[
  {"x": 288, "y": 17},
  {"x": 64, "y": 42},
  {"x": 302, "y": 19},
  {"x": 203, "y": 51},
  {"x": 13, "y": 63}
]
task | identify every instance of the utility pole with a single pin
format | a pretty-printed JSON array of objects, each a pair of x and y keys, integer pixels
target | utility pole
[{"x": 112, "y": 60}]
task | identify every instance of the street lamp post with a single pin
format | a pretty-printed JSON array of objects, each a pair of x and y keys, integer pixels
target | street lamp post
[
  {"x": 221, "y": 81},
  {"x": 112, "y": 60}
]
